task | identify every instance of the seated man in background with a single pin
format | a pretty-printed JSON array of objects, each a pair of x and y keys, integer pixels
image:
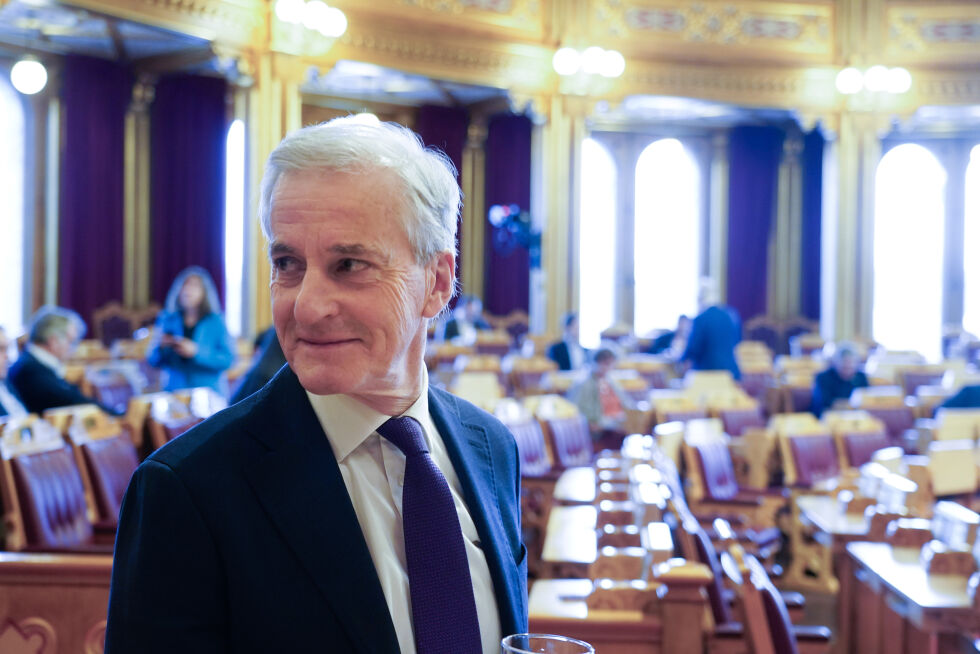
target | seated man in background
[
  {"x": 568, "y": 353},
  {"x": 466, "y": 321},
  {"x": 602, "y": 401},
  {"x": 10, "y": 404},
  {"x": 672, "y": 343},
  {"x": 839, "y": 380},
  {"x": 38, "y": 376},
  {"x": 967, "y": 397}
]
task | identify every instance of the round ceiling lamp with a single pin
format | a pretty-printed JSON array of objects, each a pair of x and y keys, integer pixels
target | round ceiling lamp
[{"x": 29, "y": 76}]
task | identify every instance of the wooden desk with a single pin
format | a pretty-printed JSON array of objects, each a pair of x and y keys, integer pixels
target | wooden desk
[
  {"x": 576, "y": 486},
  {"x": 833, "y": 530},
  {"x": 570, "y": 544},
  {"x": 899, "y": 607},
  {"x": 558, "y": 606}
]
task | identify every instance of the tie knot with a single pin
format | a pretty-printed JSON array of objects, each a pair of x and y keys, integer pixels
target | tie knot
[{"x": 406, "y": 434}]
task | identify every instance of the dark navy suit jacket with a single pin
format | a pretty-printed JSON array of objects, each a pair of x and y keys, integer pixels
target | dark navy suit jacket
[
  {"x": 240, "y": 536},
  {"x": 967, "y": 397},
  {"x": 41, "y": 389},
  {"x": 714, "y": 334}
]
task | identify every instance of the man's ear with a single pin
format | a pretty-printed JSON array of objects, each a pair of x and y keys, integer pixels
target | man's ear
[{"x": 440, "y": 282}]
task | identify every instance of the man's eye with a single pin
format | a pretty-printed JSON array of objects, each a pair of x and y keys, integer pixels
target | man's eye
[
  {"x": 351, "y": 265},
  {"x": 285, "y": 264}
]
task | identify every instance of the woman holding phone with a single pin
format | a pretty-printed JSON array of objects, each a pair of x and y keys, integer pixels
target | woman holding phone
[{"x": 191, "y": 345}]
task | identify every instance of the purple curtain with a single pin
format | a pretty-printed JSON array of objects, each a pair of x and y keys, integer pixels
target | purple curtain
[
  {"x": 813, "y": 145},
  {"x": 445, "y": 128},
  {"x": 188, "y": 130},
  {"x": 507, "y": 265},
  {"x": 754, "y": 153},
  {"x": 95, "y": 95}
]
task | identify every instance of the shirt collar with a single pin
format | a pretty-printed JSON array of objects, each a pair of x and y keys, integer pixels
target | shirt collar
[
  {"x": 47, "y": 359},
  {"x": 347, "y": 422}
]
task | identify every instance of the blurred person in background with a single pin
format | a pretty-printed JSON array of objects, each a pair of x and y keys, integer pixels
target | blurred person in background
[{"x": 191, "y": 344}]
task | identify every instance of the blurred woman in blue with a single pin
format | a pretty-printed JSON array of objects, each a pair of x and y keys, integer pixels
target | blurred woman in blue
[{"x": 191, "y": 344}]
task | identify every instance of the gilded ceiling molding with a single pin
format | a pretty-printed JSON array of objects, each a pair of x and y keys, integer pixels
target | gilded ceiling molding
[
  {"x": 743, "y": 29},
  {"x": 478, "y": 62},
  {"x": 933, "y": 33},
  {"x": 517, "y": 20},
  {"x": 237, "y": 22}
]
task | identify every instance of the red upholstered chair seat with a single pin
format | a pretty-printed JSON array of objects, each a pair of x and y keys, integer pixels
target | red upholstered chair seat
[
  {"x": 756, "y": 383},
  {"x": 736, "y": 421},
  {"x": 859, "y": 447},
  {"x": 897, "y": 419},
  {"x": 110, "y": 463},
  {"x": 532, "y": 449},
  {"x": 52, "y": 499},
  {"x": 815, "y": 458},
  {"x": 571, "y": 441},
  {"x": 717, "y": 470}
]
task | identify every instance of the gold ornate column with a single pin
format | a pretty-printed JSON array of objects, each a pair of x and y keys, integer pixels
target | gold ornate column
[
  {"x": 718, "y": 214},
  {"x": 561, "y": 136},
  {"x": 784, "y": 246},
  {"x": 857, "y": 152},
  {"x": 275, "y": 109},
  {"x": 474, "y": 179},
  {"x": 136, "y": 214}
]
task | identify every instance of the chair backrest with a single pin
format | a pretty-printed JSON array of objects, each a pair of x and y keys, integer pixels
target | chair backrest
[
  {"x": 859, "y": 447},
  {"x": 813, "y": 457},
  {"x": 43, "y": 493},
  {"x": 704, "y": 380},
  {"x": 957, "y": 424},
  {"x": 571, "y": 441},
  {"x": 669, "y": 437},
  {"x": 106, "y": 457},
  {"x": 736, "y": 421},
  {"x": 777, "y": 635},
  {"x": 704, "y": 551},
  {"x": 169, "y": 418},
  {"x": 535, "y": 460},
  {"x": 952, "y": 467},
  {"x": 111, "y": 387},
  {"x": 717, "y": 472}
]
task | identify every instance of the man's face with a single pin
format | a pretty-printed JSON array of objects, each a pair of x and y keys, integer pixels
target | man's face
[
  {"x": 63, "y": 344},
  {"x": 349, "y": 301},
  {"x": 847, "y": 366}
]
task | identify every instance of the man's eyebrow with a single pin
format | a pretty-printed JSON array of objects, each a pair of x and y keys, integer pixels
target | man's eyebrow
[
  {"x": 278, "y": 248},
  {"x": 357, "y": 250}
]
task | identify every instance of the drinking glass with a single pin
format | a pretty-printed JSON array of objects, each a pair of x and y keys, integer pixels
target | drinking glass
[{"x": 543, "y": 644}]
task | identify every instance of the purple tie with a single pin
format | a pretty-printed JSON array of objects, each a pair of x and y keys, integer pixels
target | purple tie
[{"x": 443, "y": 607}]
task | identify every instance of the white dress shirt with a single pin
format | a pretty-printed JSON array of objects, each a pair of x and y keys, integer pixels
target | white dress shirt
[
  {"x": 48, "y": 359},
  {"x": 373, "y": 470},
  {"x": 11, "y": 405}
]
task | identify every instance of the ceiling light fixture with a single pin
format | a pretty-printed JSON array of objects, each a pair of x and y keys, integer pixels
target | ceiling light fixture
[
  {"x": 590, "y": 61},
  {"x": 315, "y": 15},
  {"x": 29, "y": 75},
  {"x": 875, "y": 79}
]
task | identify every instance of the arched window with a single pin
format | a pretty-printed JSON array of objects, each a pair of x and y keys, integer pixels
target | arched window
[
  {"x": 910, "y": 186},
  {"x": 234, "y": 225},
  {"x": 971, "y": 245},
  {"x": 667, "y": 236},
  {"x": 11, "y": 206},
  {"x": 597, "y": 242}
]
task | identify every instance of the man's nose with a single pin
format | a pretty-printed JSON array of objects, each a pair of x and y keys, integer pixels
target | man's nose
[{"x": 317, "y": 298}]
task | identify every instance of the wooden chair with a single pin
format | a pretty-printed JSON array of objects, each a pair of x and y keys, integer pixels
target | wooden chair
[
  {"x": 655, "y": 371},
  {"x": 203, "y": 401},
  {"x": 804, "y": 345},
  {"x": 516, "y": 324},
  {"x": 765, "y": 615},
  {"x": 952, "y": 468},
  {"x": 112, "y": 322},
  {"x": 106, "y": 458},
  {"x": 112, "y": 386},
  {"x": 888, "y": 404},
  {"x": 43, "y": 493},
  {"x": 669, "y": 406},
  {"x": 910, "y": 378},
  {"x": 527, "y": 374},
  {"x": 481, "y": 388},
  {"x": 496, "y": 342},
  {"x": 570, "y": 440},
  {"x": 168, "y": 418},
  {"x": 858, "y": 435}
]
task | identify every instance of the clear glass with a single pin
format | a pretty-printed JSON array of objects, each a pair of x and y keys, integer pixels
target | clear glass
[
  {"x": 597, "y": 243},
  {"x": 667, "y": 236},
  {"x": 543, "y": 644},
  {"x": 12, "y": 128},
  {"x": 909, "y": 236}
]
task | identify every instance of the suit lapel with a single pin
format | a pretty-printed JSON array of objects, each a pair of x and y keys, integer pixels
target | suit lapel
[
  {"x": 298, "y": 482},
  {"x": 469, "y": 451}
]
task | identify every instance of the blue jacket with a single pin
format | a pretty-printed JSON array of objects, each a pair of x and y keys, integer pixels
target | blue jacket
[
  {"x": 240, "y": 536},
  {"x": 967, "y": 397},
  {"x": 214, "y": 353},
  {"x": 714, "y": 334}
]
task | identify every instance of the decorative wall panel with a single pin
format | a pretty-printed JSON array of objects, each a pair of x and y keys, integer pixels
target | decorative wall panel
[
  {"x": 750, "y": 30},
  {"x": 933, "y": 34}
]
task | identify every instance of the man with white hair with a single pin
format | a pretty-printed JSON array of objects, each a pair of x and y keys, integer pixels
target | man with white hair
[{"x": 347, "y": 506}]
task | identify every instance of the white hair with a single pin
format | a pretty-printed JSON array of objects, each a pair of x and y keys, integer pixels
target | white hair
[{"x": 344, "y": 145}]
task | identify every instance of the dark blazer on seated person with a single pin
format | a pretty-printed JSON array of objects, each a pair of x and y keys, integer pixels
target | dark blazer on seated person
[
  {"x": 967, "y": 397},
  {"x": 40, "y": 388},
  {"x": 247, "y": 541}
]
